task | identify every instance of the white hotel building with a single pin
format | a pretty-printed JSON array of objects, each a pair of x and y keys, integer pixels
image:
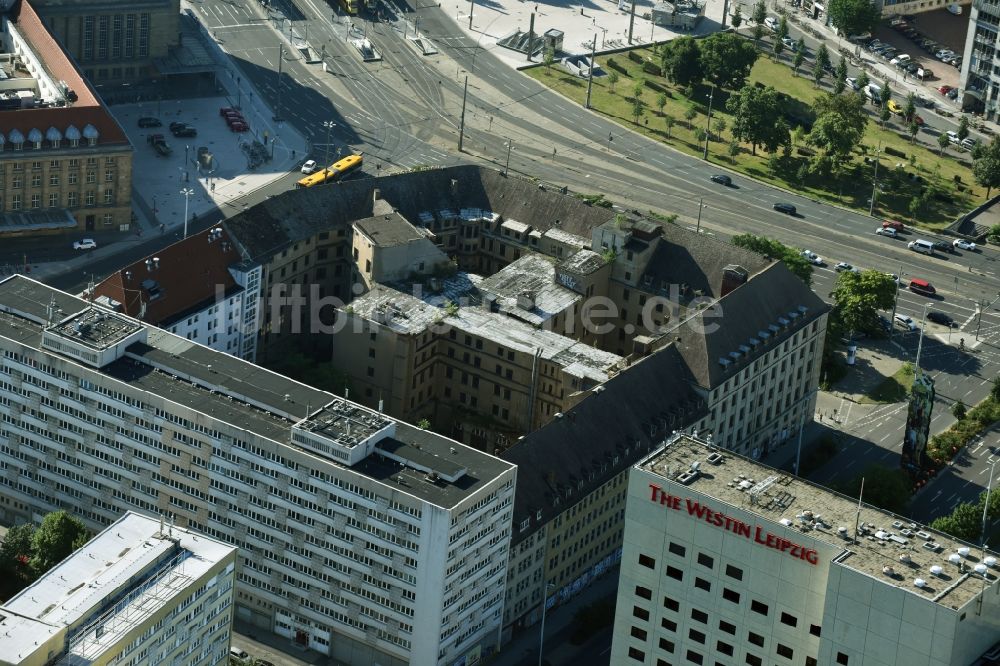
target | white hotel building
[
  {"x": 727, "y": 561},
  {"x": 140, "y": 592},
  {"x": 360, "y": 536}
]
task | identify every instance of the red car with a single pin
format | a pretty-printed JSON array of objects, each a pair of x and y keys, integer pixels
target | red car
[
  {"x": 238, "y": 126},
  {"x": 892, "y": 224},
  {"x": 234, "y": 118},
  {"x": 226, "y": 110},
  {"x": 944, "y": 90}
]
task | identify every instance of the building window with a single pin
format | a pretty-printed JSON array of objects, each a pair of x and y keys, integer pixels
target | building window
[
  {"x": 696, "y": 636},
  {"x": 666, "y": 646},
  {"x": 699, "y": 616},
  {"x": 702, "y": 584},
  {"x": 53, "y": 200},
  {"x": 754, "y": 660},
  {"x": 53, "y": 179},
  {"x": 730, "y": 595},
  {"x": 102, "y": 38},
  {"x": 724, "y": 648},
  {"x": 694, "y": 657},
  {"x": 758, "y": 607},
  {"x": 675, "y": 573},
  {"x": 734, "y": 572},
  {"x": 72, "y": 198},
  {"x": 756, "y": 639},
  {"x": 705, "y": 560},
  {"x": 671, "y": 604},
  {"x": 638, "y": 633},
  {"x": 36, "y": 201},
  {"x": 784, "y": 651},
  {"x": 116, "y": 37},
  {"x": 640, "y": 613},
  {"x": 109, "y": 174},
  {"x": 727, "y": 627},
  {"x": 109, "y": 196},
  {"x": 814, "y": 629},
  {"x": 143, "y": 35},
  {"x": 109, "y": 219},
  {"x": 841, "y": 658},
  {"x": 73, "y": 177},
  {"x": 677, "y": 549},
  {"x": 36, "y": 180},
  {"x": 88, "y": 38},
  {"x": 811, "y": 661},
  {"x": 91, "y": 176},
  {"x": 669, "y": 625},
  {"x": 91, "y": 198},
  {"x": 643, "y": 592},
  {"x": 16, "y": 182},
  {"x": 789, "y": 619},
  {"x": 130, "y": 36},
  {"x": 647, "y": 561},
  {"x": 636, "y": 654},
  {"x": 15, "y": 202}
]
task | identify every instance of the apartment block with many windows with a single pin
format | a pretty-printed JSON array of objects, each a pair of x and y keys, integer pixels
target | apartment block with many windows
[
  {"x": 726, "y": 560},
  {"x": 360, "y": 536},
  {"x": 65, "y": 162},
  {"x": 141, "y": 591}
]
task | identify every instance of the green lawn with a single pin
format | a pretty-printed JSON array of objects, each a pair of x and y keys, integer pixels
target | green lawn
[
  {"x": 901, "y": 178},
  {"x": 892, "y": 389}
]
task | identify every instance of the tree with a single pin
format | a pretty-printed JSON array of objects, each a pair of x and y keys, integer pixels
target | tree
[
  {"x": 995, "y": 389},
  {"x": 839, "y": 126},
  {"x": 612, "y": 80},
  {"x": 737, "y": 18},
  {"x": 986, "y": 167},
  {"x": 637, "y": 89},
  {"x": 759, "y": 12},
  {"x": 754, "y": 111},
  {"x": 690, "y": 113},
  {"x": 767, "y": 247},
  {"x": 963, "y": 128},
  {"x": 638, "y": 109},
  {"x": 782, "y": 28},
  {"x": 823, "y": 57},
  {"x": 661, "y": 101},
  {"x": 58, "y": 536},
  {"x": 863, "y": 81},
  {"x": 681, "y": 61},
  {"x": 887, "y": 488},
  {"x": 914, "y": 207},
  {"x": 853, "y": 17},
  {"x": 799, "y": 56},
  {"x": 818, "y": 73},
  {"x": 910, "y": 108},
  {"x": 886, "y": 93},
  {"x": 840, "y": 81},
  {"x": 15, "y": 553},
  {"x": 884, "y": 114},
  {"x": 424, "y": 424},
  {"x": 942, "y": 142},
  {"x": 965, "y": 522},
  {"x": 727, "y": 59},
  {"x": 777, "y": 47},
  {"x": 993, "y": 236},
  {"x": 733, "y": 150},
  {"x": 669, "y": 121},
  {"x": 758, "y": 34},
  {"x": 720, "y": 126},
  {"x": 913, "y": 129},
  {"x": 858, "y": 297},
  {"x": 550, "y": 57},
  {"x": 958, "y": 410}
]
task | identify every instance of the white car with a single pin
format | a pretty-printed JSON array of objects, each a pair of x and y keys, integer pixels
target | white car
[
  {"x": 953, "y": 136},
  {"x": 85, "y": 244},
  {"x": 945, "y": 54},
  {"x": 844, "y": 266},
  {"x": 955, "y": 8},
  {"x": 906, "y": 322},
  {"x": 771, "y": 23},
  {"x": 309, "y": 167},
  {"x": 886, "y": 231},
  {"x": 964, "y": 245},
  {"x": 852, "y": 83},
  {"x": 812, "y": 258}
]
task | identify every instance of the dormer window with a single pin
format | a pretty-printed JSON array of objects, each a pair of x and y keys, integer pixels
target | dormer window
[
  {"x": 17, "y": 139},
  {"x": 35, "y": 138}
]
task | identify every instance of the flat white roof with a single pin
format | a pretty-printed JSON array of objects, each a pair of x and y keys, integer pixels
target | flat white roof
[{"x": 128, "y": 552}]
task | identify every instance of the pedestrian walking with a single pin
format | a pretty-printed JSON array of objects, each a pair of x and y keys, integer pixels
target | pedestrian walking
[{"x": 213, "y": 188}]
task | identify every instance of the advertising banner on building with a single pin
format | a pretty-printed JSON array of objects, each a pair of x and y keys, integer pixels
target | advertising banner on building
[{"x": 918, "y": 423}]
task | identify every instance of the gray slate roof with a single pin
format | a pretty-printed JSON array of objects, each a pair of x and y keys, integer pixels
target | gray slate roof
[{"x": 627, "y": 418}]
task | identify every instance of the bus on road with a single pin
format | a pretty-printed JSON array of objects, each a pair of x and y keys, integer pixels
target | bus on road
[{"x": 332, "y": 173}]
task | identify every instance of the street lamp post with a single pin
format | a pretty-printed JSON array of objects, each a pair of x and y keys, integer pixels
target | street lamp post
[
  {"x": 878, "y": 153},
  {"x": 510, "y": 145},
  {"x": 187, "y": 150},
  {"x": 329, "y": 125},
  {"x": 895, "y": 302},
  {"x": 541, "y": 632},
  {"x": 187, "y": 192},
  {"x": 701, "y": 204},
  {"x": 708, "y": 124}
]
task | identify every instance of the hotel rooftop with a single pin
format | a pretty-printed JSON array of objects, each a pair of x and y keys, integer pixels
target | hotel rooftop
[{"x": 887, "y": 547}]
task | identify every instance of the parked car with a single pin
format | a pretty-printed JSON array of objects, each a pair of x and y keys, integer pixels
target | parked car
[
  {"x": 886, "y": 231},
  {"x": 722, "y": 179},
  {"x": 944, "y": 90},
  {"x": 186, "y": 131},
  {"x": 953, "y": 136},
  {"x": 852, "y": 83},
  {"x": 789, "y": 42},
  {"x": 924, "y": 73},
  {"x": 895, "y": 107},
  {"x": 906, "y": 322},
  {"x": 952, "y": 94},
  {"x": 786, "y": 208},
  {"x": 964, "y": 245},
  {"x": 772, "y": 23},
  {"x": 238, "y": 126},
  {"x": 945, "y": 53},
  {"x": 309, "y": 167},
  {"x": 940, "y": 318},
  {"x": 813, "y": 258},
  {"x": 85, "y": 244},
  {"x": 227, "y": 109},
  {"x": 969, "y": 143},
  {"x": 174, "y": 126},
  {"x": 147, "y": 121}
]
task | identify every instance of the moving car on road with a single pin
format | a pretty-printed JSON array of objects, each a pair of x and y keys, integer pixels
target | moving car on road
[
  {"x": 922, "y": 287},
  {"x": 149, "y": 122},
  {"x": 85, "y": 244},
  {"x": 940, "y": 318},
  {"x": 786, "y": 208},
  {"x": 886, "y": 231},
  {"x": 812, "y": 257},
  {"x": 844, "y": 266},
  {"x": 309, "y": 167},
  {"x": 964, "y": 245},
  {"x": 906, "y": 322},
  {"x": 722, "y": 179},
  {"x": 893, "y": 224}
]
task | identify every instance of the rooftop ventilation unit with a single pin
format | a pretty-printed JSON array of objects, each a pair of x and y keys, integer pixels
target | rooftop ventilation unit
[
  {"x": 786, "y": 522},
  {"x": 963, "y": 551},
  {"x": 936, "y": 570},
  {"x": 954, "y": 558},
  {"x": 920, "y": 582},
  {"x": 888, "y": 571},
  {"x": 980, "y": 569},
  {"x": 904, "y": 558},
  {"x": 843, "y": 532},
  {"x": 990, "y": 561}
]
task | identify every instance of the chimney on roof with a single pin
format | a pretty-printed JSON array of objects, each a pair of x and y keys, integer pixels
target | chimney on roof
[
  {"x": 376, "y": 194},
  {"x": 454, "y": 187},
  {"x": 732, "y": 277}
]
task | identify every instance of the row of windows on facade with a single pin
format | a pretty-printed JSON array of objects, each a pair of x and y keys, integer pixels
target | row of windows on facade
[
  {"x": 105, "y": 73},
  {"x": 72, "y": 178},
  {"x": 117, "y": 31},
  {"x": 697, "y": 615},
  {"x": 16, "y": 201}
]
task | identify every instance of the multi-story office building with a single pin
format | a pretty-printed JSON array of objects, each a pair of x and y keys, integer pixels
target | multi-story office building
[
  {"x": 729, "y": 561},
  {"x": 195, "y": 288},
  {"x": 114, "y": 43},
  {"x": 141, "y": 591},
  {"x": 360, "y": 536},
  {"x": 65, "y": 162},
  {"x": 979, "y": 82}
]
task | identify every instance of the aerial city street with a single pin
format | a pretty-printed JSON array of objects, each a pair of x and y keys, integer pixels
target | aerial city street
[{"x": 599, "y": 332}]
